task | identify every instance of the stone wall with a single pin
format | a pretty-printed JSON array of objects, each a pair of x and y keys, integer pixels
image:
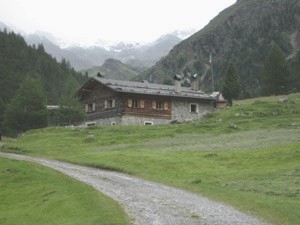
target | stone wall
[
  {"x": 105, "y": 121},
  {"x": 136, "y": 120},
  {"x": 181, "y": 109},
  {"x": 127, "y": 120}
]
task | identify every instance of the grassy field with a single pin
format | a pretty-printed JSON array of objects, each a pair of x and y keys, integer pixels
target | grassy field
[
  {"x": 32, "y": 194},
  {"x": 247, "y": 156}
]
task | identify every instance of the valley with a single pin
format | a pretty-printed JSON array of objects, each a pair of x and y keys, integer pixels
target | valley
[
  {"x": 246, "y": 156},
  {"x": 238, "y": 163}
]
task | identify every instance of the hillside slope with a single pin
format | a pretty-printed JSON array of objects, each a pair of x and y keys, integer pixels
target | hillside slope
[
  {"x": 114, "y": 69},
  {"x": 76, "y": 59},
  {"x": 242, "y": 34}
]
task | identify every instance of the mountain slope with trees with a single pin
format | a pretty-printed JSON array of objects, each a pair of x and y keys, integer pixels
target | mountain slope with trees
[
  {"x": 242, "y": 34},
  {"x": 115, "y": 69},
  {"x": 18, "y": 61}
]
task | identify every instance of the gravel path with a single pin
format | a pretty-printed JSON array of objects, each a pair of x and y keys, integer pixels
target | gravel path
[{"x": 148, "y": 203}]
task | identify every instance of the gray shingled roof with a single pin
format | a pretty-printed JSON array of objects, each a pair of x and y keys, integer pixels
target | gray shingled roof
[{"x": 151, "y": 89}]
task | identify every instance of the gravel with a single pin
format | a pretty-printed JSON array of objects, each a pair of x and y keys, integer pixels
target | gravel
[{"x": 149, "y": 203}]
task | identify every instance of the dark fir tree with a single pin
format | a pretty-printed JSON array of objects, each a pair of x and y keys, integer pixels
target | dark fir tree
[
  {"x": 295, "y": 73},
  {"x": 231, "y": 87},
  {"x": 276, "y": 76},
  {"x": 27, "y": 109},
  {"x": 70, "y": 111}
]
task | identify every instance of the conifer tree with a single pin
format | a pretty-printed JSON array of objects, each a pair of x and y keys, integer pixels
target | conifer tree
[
  {"x": 70, "y": 110},
  {"x": 231, "y": 87},
  {"x": 295, "y": 73},
  {"x": 27, "y": 109},
  {"x": 275, "y": 80}
]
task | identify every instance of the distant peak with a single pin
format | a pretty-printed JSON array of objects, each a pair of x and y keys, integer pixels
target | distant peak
[{"x": 183, "y": 34}]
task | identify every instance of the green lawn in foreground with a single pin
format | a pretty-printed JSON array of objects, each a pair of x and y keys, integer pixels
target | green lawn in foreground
[
  {"x": 35, "y": 195},
  {"x": 247, "y": 156}
]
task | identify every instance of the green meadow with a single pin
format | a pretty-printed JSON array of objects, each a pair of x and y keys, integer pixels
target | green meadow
[
  {"x": 35, "y": 195},
  {"x": 247, "y": 156}
]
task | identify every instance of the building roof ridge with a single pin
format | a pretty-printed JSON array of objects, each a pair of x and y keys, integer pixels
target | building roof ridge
[{"x": 150, "y": 88}]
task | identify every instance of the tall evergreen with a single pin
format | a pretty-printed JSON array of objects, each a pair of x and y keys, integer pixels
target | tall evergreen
[
  {"x": 70, "y": 110},
  {"x": 27, "y": 109},
  {"x": 295, "y": 73},
  {"x": 231, "y": 87},
  {"x": 276, "y": 75}
]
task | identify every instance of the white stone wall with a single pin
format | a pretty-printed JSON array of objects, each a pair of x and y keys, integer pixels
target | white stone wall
[
  {"x": 181, "y": 110},
  {"x": 105, "y": 121},
  {"x": 136, "y": 120}
]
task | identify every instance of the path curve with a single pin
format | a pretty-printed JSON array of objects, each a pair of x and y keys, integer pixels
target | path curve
[{"x": 149, "y": 203}]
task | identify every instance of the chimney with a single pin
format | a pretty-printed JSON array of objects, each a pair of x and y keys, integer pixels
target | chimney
[
  {"x": 178, "y": 79},
  {"x": 195, "y": 82}
]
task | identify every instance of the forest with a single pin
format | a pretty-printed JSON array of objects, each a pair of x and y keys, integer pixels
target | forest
[{"x": 20, "y": 63}]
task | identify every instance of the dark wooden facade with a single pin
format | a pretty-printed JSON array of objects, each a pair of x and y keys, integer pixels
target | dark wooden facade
[
  {"x": 146, "y": 106},
  {"x": 99, "y": 101}
]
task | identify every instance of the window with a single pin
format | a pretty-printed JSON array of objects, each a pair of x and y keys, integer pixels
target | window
[
  {"x": 194, "y": 108},
  {"x": 136, "y": 103},
  {"x": 90, "y": 107},
  {"x": 109, "y": 104},
  {"x": 159, "y": 105},
  {"x": 113, "y": 123}
]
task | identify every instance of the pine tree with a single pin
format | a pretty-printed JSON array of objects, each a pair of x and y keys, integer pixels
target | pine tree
[
  {"x": 231, "y": 87},
  {"x": 70, "y": 110},
  {"x": 27, "y": 109},
  {"x": 295, "y": 73},
  {"x": 276, "y": 76}
]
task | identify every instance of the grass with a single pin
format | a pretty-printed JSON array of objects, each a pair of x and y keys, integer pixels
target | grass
[
  {"x": 32, "y": 194},
  {"x": 247, "y": 156}
]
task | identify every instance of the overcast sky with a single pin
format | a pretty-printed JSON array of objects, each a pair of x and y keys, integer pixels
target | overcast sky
[{"x": 85, "y": 21}]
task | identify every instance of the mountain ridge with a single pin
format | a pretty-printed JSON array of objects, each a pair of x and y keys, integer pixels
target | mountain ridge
[
  {"x": 85, "y": 57},
  {"x": 114, "y": 69},
  {"x": 242, "y": 34},
  {"x": 143, "y": 55}
]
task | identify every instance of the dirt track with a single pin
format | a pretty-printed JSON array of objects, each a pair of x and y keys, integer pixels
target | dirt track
[{"x": 148, "y": 203}]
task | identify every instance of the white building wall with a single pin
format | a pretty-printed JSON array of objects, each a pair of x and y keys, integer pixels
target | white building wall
[
  {"x": 181, "y": 110},
  {"x": 105, "y": 121},
  {"x": 136, "y": 120}
]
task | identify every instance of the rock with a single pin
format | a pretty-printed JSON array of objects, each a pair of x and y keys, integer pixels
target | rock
[
  {"x": 285, "y": 101},
  {"x": 233, "y": 126}
]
